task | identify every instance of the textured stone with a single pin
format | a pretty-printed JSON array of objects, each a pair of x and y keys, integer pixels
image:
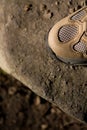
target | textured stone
[{"x": 24, "y": 53}]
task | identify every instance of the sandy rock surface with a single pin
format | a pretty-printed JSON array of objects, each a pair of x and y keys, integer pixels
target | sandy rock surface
[{"x": 24, "y": 52}]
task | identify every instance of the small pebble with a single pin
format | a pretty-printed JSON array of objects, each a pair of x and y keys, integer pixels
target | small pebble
[
  {"x": 56, "y": 3},
  {"x": 71, "y": 67},
  {"x": 11, "y": 90},
  {"x": 48, "y": 14},
  {"x": 43, "y": 7},
  {"x": 27, "y": 7},
  {"x": 37, "y": 101},
  {"x": 70, "y": 2},
  {"x": 53, "y": 110},
  {"x": 44, "y": 126}
]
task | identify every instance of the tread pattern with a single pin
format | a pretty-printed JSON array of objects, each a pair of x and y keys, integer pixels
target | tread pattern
[
  {"x": 80, "y": 47},
  {"x": 79, "y": 15},
  {"x": 67, "y": 33}
]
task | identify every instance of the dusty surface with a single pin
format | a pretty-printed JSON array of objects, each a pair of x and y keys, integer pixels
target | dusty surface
[
  {"x": 24, "y": 49},
  {"x": 20, "y": 109}
]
